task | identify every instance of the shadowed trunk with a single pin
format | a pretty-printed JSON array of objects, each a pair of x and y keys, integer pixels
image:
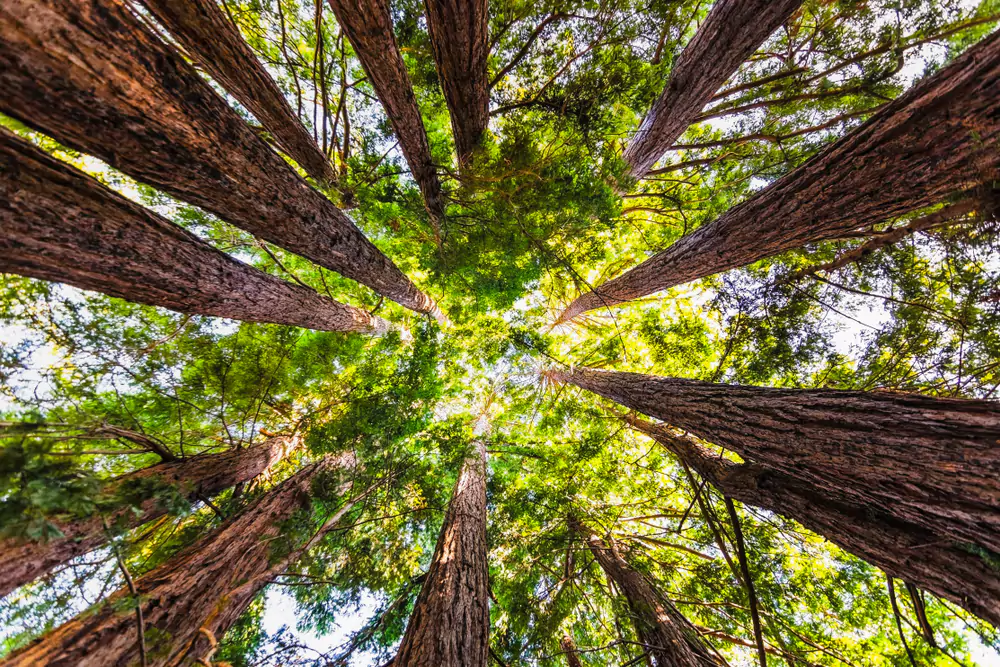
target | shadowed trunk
[
  {"x": 210, "y": 37},
  {"x": 459, "y": 31},
  {"x": 90, "y": 75},
  {"x": 449, "y": 626},
  {"x": 941, "y": 566},
  {"x": 568, "y": 647},
  {"x": 936, "y": 140},
  {"x": 60, "y": 224},
  {"x": 933, "y": 462},
  {"x": 730, "y": 34},
  {"x": 368, "y": 26},
  {"x": 668, "y": 637},
  {"x": 199, "y": 592}
]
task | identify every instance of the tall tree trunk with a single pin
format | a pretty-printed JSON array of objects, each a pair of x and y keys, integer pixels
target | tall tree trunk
[
  {"x": 368, "y": 25},
  {"x": 568, "y": 647},
  {"x": 449, "y": 626},
  {"x": 933, "y": 462},
  {"x": 941, "y": 566},
  {"x": 938, "y": 139},
  {"x": 730, "y": 34},
  {"x": 57, "y": 223},
  {"x": 668, "y": 637},
  {"x": 90, "y": 75},
  {"x": 208, "y": 35},
  {"x": 201, "y": 591},
  {"x": 459, "y": 31}
]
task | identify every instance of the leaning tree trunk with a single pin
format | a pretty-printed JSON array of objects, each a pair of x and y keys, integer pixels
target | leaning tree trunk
[
  {"x": 368, "y": 26},
  {"x": 89, "y": 74},
  {"x": 943, "y": 567},
  {"x": 669, "y": 639},
  {"x": 57, "y": 223},
  {"x": 932, "y": 462},
  {"x": 938, "y": 139},
  {"x": 731, "y": 32},
  {"x": 198, "y": 593},
  {"x": 568, "y": 647},
  {"x": 449, "y": 626},
  {"x": 210, "y": 37},
  {"x": 459, "y": 31}
]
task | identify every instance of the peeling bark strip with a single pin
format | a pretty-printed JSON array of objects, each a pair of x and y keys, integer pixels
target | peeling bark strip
[
  {"x": 368, "y": 25},
  {"x": 668, "y": 637},
  {"x": 449, "y": 626},
  {"x": 87, "y": 73},
  {"x": 208, "y": 35},
  {"x": 459, "y": 31},
  {"x": 57, "y": 223},
  {"x": 939, "y": 138},
  {"x": 203, "y": 588},
  {"x": 24, "y": 561},
  {"x": 901, "y": 549},
  {"x": 932, "y": 462},
  {"x": 730, "y": 34}
]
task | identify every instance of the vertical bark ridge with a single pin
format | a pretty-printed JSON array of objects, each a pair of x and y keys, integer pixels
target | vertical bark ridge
[
  {"x": 90, "y": 75},
  {"x": 60, "y": 224},
  {"x": 936, "y": 140},
  {"x": 730, "y": 34}
]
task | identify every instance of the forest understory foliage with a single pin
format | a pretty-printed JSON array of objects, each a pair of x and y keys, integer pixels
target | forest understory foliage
[{"x": 440, "y": 333}]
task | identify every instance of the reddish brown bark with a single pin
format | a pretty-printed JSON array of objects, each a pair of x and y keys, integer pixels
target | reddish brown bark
[
  {"x": 57, "y": 223},
  {"x": 90, "y": 75},
  {"x": 208, "y": 35},
  {"x": 731, "y": 32},
  {"x": 459, "y": 31},
  {"x": 569, "y": 650},
  {"x": 368, "y": 26},
  {"x": 938, "y": 139},
  {"x": 449, "y": 626}
]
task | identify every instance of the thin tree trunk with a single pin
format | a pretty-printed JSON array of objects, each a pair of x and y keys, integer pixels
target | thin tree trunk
[
  {"x": 668, "y": 637},
  {"x": 730, "y": 34},
  {"x": 933, "y": 462},
  {"x": 459, "y": 31},
  {"x": 368, "y": 25},
  {"x": 206, "y": 33},
  {"x": 57, "y": 223},
  {"x": 191, "y": 600},
  {"x": 568, "y": 647},
  {"x": 449, "y": 626},
  {"x": 938, "y": 139},
  {"x": 90, "y": 75},
  {"x": 966, "y": 576}
]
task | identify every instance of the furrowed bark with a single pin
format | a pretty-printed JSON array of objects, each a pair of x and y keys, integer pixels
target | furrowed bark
[
  {"x": 933, "y": 462},
  {"x": 202, "y": 590},
  {"x": 668, "y": 637},
  {"x": 938, "y": 565},
  {"x": 568, "y": 647},
  {"x": 368, "y": 25},
  {"x": 24, "y": 561},
  {"x": 57, "y": 223},
  {"x": 938, "y": 139},
  {"x": 90, "y": 75},
  {"x": 459, "y": 31},
  {"x": 449, "y": 626},
  {"x": 730, "y": 34},
  {"x": 206, "y": 33}
]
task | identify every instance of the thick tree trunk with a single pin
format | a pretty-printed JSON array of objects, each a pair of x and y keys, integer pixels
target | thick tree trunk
[
  {"x": 938, "y": 139},
  {"x": 459, "y": 31},
  {"x": 90, "y": 75},
  {"x": 569, "y": 650},
  {"x": 203, "y": 589},
  {"x": 368, "y": 25},
  {"x": 668, "y": 637},
  {"x": 730, "y": 34},
  {"x": 24, "y": 561},
  {"x": 57, "y": 223},
  {"x": 449, "y": 626},
  {"x": 933, "y": 462},
  {"x": 209, "y": 36},
  {"x": 940, "y": 566}
]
